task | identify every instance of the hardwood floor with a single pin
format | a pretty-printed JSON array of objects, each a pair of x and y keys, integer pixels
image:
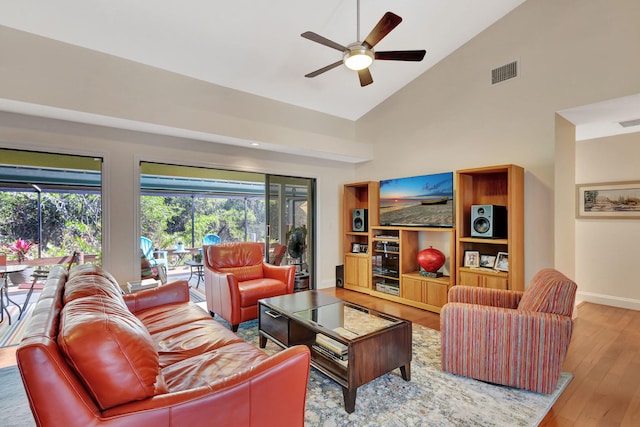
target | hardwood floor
[{"x": 604, "y": 357}]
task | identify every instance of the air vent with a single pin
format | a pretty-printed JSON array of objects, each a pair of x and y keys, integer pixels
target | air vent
[
  {"x": 505, "y": 72},
  {"x": 629, "y": 123}
]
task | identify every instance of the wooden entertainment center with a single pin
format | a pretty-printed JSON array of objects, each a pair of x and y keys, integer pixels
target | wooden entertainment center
[{"x": 382, "y": 260}]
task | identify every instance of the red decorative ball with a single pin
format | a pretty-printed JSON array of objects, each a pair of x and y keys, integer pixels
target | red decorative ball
[{"x": 431, "y": 259}]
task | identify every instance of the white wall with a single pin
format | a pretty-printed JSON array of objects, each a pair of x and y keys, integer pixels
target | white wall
[
  {"x": 570, "y": 53},
  {"x": 122, "y": 152},
  {"x": 607, "y": 249}
]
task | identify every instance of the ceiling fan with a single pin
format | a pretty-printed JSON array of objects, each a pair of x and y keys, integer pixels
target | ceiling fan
[{"x": 358, "y": 56}]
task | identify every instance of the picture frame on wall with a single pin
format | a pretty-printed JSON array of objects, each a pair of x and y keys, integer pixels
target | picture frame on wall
[
  {"x": 608, "y": 200},
  {"x": 502, "y": 261},
  {"x": 472, "y": 259},
  {"x": 487, "y": 261}
]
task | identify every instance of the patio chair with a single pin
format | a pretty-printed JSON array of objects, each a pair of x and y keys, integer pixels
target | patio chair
[
  {"x": 211, "y": 239},
  {"x": 155, "y": 257},
  {"x": 277, "y": 254}
]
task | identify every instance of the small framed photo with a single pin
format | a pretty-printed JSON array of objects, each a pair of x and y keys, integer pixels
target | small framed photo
[
  {"x": 472, "y": 259},
  {"x": 364, "y": 248},
  {"x": 355, "y": 248},
  {"x": 502, "y": 261},
  {"x": 487, "y": 261}
]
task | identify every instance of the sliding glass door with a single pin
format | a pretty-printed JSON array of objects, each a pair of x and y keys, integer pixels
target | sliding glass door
[
  {"x": 290, "y": 222},
  {"x": 188, "y": 205}
]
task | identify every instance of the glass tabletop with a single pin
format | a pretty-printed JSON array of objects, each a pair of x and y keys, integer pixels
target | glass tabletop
[{"x": 347, "y": 320}]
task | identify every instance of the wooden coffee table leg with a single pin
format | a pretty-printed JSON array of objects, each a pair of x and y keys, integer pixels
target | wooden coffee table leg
[
  {"x": 406, "y": 372},
  {"x": 349, "y": 399},
  {"x": 263, "y": 341}
]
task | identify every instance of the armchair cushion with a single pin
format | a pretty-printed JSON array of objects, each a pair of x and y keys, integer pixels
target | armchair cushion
[
  {"x": 549, "y": 292},
  {"x": 483, "y": 296}
]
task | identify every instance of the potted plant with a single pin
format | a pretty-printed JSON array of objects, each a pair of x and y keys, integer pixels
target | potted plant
[
  {"x": 20, "y": 248},
  {"x": 179, "y": 245}
]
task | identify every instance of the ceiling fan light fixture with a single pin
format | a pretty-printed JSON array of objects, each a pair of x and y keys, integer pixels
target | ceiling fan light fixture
[{"x": 358, "y": 58}]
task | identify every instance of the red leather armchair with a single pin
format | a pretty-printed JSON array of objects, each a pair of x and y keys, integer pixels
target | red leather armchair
[{"x": 236, "y": 277}]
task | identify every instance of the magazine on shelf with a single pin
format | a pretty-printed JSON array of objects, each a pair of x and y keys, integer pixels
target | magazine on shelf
[
  {"x": 341, "y": 359},
  {"x": 330, "y": 344}
]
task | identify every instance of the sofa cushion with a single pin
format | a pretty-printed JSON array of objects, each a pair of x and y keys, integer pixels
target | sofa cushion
[
  {"x": 549, "y": 292},
  {"x": 188, "y": 340},
  {"x": 89, "y": 270},
  {"x": 214, "y": 368},
  {"x": 110, "y": 350},
  {"x": 90, "y": 285},
  {"x": 168, "y": 316}
]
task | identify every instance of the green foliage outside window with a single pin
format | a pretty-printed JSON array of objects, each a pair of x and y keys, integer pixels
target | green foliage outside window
[{"x": 70, "y": 221}]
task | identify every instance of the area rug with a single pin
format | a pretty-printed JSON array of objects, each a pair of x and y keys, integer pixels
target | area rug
[
  {"x": 431, "y": 398},
  {"x": 11, "y": 334}
]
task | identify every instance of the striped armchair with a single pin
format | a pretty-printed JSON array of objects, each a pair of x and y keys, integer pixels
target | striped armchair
[{"x": 517, "y": 339}]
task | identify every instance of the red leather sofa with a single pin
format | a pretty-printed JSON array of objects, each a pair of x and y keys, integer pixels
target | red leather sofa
[{"x": 91, "y": 356}]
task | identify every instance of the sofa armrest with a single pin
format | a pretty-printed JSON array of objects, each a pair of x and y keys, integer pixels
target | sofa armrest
[
  {"x": 274, "y": 390},
  {"x": 285, "y": 273},
  {"x": 485, "y": 296},
  {"x": 169, "y": 293},
  {"x": 505, "y": 346}
]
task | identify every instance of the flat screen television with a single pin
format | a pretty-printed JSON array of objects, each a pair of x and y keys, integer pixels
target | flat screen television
[{"x": 425, "y": 200}]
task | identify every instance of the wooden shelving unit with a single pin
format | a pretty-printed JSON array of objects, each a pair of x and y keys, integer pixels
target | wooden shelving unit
[
  {"x": 357, "y": 266},
  {"x": 496, "y": 185},
  {"x": 389, "y": 268},
  {"x": 395, "y": 270}
]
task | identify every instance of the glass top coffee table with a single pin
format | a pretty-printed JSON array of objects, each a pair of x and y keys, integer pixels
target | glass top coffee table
[{"x": 350, "y": 344}]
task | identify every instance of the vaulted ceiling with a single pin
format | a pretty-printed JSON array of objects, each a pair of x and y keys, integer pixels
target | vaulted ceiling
[{"x": 256, "y": 47}]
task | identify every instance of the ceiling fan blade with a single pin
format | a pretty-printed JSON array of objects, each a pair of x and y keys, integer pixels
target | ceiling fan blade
[
  {"x": 323, "y": 69},
  {"x": 401, "y": 55},
  {"x": 323, "y": 40},
  {"x": 388, "y": 22},
  {"x": 365, "y": 77}
]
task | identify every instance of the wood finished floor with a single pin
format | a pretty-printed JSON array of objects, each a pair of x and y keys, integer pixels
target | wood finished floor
[{"x": 604, "y": 357}]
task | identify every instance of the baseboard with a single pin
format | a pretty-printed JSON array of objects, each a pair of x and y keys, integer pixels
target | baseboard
[{"x": 628, "y": 303}]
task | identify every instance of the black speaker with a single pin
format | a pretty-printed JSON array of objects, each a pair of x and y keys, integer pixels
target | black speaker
[
  {"x": 488, "y": 221},
  {"x": 339, "y": 276},
  {"x": 359, "y": 220}
]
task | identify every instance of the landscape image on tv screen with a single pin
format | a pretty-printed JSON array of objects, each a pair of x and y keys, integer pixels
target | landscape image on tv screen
[{"x": 425, "y": 200}]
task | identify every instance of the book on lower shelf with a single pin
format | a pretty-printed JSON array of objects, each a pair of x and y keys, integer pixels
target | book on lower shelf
[
  {"x": 341, "y": 359},
  {"x": 336, "y": 347}
]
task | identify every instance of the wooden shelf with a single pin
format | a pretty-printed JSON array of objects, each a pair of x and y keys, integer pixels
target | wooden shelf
[{"x": 495, "y": 185}]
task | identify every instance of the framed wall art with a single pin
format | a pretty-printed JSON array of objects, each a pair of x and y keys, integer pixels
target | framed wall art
[{"x": 608, "y": 200}]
